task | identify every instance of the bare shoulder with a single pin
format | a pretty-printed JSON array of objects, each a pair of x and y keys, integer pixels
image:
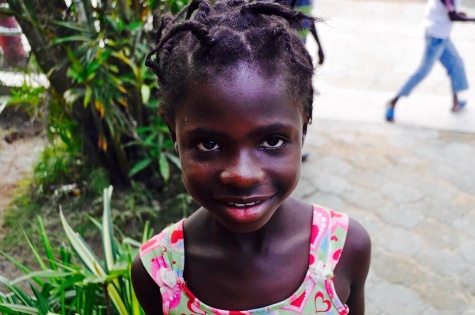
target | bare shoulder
[
  {"x": 358, "y": 241},
  {"x": 357, "y": 249},
  {"x": 146, "y": 290},
  {"x": 353, "y": 267}
]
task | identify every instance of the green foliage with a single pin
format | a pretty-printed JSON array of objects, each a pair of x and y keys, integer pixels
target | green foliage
[
  {"x": 157, "y": 154},
  {"x": 56, "y": 167},
  {"x": 72, "y": 279},
  {"x": 137, "y": 208},
  {"x": 29, "y": 97},
  {"x": 105, "y": 63},
  {"x": 101, "y": 102}
]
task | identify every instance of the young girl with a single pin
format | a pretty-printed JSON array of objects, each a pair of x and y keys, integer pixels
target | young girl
[{"x": 236, "y": 90}]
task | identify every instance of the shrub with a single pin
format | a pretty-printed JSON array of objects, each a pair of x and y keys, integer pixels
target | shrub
[{"x": 72, "y": 279}]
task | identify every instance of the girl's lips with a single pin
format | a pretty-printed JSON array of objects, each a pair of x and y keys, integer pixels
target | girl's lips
[{"x": 246, "y": 211}]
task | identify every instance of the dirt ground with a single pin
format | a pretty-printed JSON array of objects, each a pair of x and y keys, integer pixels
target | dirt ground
[{"x": 21, "y": 142}]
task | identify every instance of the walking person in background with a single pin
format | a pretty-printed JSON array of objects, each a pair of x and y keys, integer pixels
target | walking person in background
[
  {"x": 305, "y": 6},
  {"x": 439, "y": 15}
]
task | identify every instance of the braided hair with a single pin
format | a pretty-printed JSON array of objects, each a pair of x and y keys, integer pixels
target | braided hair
[{"x": 203, "y": 41}]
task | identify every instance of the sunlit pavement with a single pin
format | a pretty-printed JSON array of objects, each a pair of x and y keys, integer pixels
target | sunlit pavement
[{"x": 412, "y": 183}]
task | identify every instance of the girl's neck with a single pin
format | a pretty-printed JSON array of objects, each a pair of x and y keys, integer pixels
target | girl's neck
[{"x": 291, "y": 219}]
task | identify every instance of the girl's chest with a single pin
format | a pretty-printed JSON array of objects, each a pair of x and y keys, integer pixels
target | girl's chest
[{"x": 243, "y": 282}]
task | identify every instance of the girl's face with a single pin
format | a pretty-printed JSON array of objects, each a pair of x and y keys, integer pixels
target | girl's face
[{"x": 239, "y": 138}]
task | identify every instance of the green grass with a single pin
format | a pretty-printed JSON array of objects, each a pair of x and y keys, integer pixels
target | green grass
[
  {"x": 131, "y": 209},
  {"x": 70, "y": 278}
]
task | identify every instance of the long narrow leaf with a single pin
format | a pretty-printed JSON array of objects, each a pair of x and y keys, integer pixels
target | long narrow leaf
[
  {"x": 70, "y": 25},
  {"x": 164, "y": 167},
  {"x": 174, "y": 159},
  {"x": 22, "y": 267},
  {"x": 41, "y": 304},
  {"x": 109, "y": 250},
  {"x": 147, "y": 231},
  {"x": 46, "y": 244},
  {"x": 117, "y": 300},
  {"x": 74, "y": 38},
  {"x": 107, "y": 231},
  {"x": 89, "y": 259},
  {"x": 83, "y": 251},
  {"x": 22, "y": 296},
  {"x": 45, "y": 274},
  {"x": 9, "y": 308},
  {"x": 36, "y": 253},
  {"x": 140, "y": 166}
]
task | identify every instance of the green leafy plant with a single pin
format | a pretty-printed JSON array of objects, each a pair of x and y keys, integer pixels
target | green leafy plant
[
  {"x": 102, "y": 94},
  {"x": 29, "y": 97},
  {"x": 72, "y": 279}
]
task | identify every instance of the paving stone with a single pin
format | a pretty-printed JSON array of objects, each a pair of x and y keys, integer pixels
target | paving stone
[
  {"x": 405, "y": 215},
  {"x": 327, "y": 200},
  {"x": 304, "y": 188},
  {"x": 367, "y": 199},
  {"x": 366, "y": 180},
  {"x": 438, "y": 234},
  {"x": 328, "y": 183},
  {"x": 468, "y": 280},
  {"x": 444, "y": 262},
  {"x": 466, "y": 251},
  {"x": 335, "y": 165},
  {"x": 396, "y": 299},
  {"x": 397, "y": 240},
  {"x": 469, "y": 311},
  {"x": 399, "y": 269},
  {"x": 399, "y": 193},
  {"x": 465, "y": 224}
]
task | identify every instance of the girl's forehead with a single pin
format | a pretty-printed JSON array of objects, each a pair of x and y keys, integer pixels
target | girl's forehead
[
  {"x": 243, "y": 85},
  {"x": 246, "y": 96}
]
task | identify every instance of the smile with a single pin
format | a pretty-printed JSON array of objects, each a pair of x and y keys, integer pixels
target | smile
[{"x": 243, "y": 205}]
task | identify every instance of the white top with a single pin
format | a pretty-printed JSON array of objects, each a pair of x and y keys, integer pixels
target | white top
[{"x": 437, "y": 22}]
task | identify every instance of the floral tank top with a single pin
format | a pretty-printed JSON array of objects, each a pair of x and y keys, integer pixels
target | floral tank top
[{"x": 163, "y": 258}]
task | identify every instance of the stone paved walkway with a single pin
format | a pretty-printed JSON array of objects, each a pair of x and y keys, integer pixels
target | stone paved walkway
[
  {"x": 413, "y": 190},
  {"x": 411, "y": 184}
]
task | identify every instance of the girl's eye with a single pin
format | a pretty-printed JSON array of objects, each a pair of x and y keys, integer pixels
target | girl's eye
[
  {"x": 207, "y": 145},
  {"x": 273, "y": 143}
]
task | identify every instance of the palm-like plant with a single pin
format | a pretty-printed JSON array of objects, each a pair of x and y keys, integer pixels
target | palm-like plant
[
  {"x": 93, "y": 53},
  {"x": 73, "y": 280}
]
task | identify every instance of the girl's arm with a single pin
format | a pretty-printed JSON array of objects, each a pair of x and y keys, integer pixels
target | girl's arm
[
  {"x": 355, "y": 263},
  {"x": 460, "y": 17},
  {"x": 147, "y": 291}
]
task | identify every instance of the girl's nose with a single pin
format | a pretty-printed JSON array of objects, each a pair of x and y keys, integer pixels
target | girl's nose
[{"x": 242, "y": 172}]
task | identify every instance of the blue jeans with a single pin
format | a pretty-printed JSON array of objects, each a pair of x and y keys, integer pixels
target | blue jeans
[{"x": 443, "y": 50}]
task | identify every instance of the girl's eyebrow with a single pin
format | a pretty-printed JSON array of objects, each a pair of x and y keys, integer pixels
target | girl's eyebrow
[
  {"x": 276, "y": 127},
  {"x": 266, "y": 129}
]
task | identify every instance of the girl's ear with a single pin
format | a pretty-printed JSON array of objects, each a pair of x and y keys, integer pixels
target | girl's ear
[
  {"x": 173, "y": 136},
  {"x": 172, "y": 133},
  {"x": 304, "y": 132}
]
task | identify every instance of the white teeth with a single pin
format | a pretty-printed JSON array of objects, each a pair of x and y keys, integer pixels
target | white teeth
[{"x": 242, "y": 205}]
